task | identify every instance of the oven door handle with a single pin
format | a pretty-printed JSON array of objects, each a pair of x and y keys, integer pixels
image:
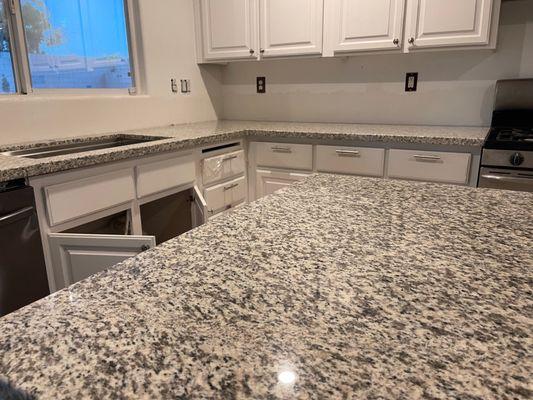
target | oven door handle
[{"x": 511, "y": 179}]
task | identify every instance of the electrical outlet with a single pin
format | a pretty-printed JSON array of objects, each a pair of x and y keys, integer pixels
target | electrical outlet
[
  {"x": 411, "y": 81},
  {"x": 261, "y": 84}
]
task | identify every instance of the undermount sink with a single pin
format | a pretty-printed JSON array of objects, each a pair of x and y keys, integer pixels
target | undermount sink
[{"x": 81, "y": 147}]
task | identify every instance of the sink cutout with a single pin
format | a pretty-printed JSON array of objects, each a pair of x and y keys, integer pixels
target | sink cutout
[{"x": 81, "y": 147}]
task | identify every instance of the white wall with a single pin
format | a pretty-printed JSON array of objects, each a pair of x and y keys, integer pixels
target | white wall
[
  {"x": 455, "y": 88},
  {"x": 168, "y": 42}
]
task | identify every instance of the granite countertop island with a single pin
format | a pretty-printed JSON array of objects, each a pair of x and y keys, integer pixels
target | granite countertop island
[
  {"x": 185, "y": 136},
  {"x": 336, "y": 287}
]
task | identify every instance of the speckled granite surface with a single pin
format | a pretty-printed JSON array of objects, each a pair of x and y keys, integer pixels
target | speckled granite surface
[
  {"x": 350, "y": 287},
  {"x": 205, "y": 133}
]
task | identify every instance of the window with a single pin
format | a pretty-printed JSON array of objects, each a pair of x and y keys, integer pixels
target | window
[
  {"x": 7, "y": 77},
  {"x": 68, "y": 44}
]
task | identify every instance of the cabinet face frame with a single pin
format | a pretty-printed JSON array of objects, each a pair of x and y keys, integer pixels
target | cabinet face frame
[
  {"x": 310, "y": 46},
  {"x": 203, "y": 32},
  {"x": 489, "y": 13},
  {"x": 337, "y": 40}
]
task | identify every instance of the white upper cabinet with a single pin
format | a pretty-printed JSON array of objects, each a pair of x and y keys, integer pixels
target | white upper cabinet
[
  {"x": 291, "y": 27},
  {"x": 363, "y": 25},
  {"x": 446, "y": 23},
  {"x": 228, "y": 29}
]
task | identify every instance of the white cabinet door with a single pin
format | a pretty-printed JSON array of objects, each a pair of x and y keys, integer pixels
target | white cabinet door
[
  {"x": 268, "y": 182},
  {"x": 78, "y": 256},
  {"x": 442, "y": 23},
  {"x": 226, "y": 195},
  {"x": 364, "y": 25},
  {"x": 229, "y": 29},
  {"x": 291, "y": 28},
  {"x": 200, "y": 213}
]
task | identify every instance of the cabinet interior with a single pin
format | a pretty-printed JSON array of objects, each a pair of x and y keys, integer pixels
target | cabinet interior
[
  {"x": 167, "y": 217},
  {"x": 116, "y": 224}
]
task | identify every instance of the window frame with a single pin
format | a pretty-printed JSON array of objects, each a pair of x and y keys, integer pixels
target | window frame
[{"x": 21, "y": 65}]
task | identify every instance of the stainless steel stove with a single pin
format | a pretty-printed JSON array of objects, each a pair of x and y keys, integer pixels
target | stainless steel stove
[{"x": 507, "y": 159}]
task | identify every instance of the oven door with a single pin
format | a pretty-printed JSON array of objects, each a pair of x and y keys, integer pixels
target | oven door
[{"x": 509, "y": 179}]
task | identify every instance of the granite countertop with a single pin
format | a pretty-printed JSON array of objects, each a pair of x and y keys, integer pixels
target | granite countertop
[
  {"x": 204, "y": 133},
  {"x": 335, "y": 287}
]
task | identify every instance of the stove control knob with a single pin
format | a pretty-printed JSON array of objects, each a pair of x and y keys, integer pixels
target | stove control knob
[{"x": 517, "y": 159}]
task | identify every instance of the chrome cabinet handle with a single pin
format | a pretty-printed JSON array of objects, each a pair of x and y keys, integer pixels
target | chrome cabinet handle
[
  {"x": 396, "y": 42},
  {"x": 411, "y": 40},
  {"x": 347, "y": 153},
  {"x": 262, "y": 51},
  {"x": 427, "y": 158},
  {"x": 226, "y": 188},
  {"x": 229, "y": 158},
  {"x": 252, "y": 51},
  {"x": 279, "y": 149}
]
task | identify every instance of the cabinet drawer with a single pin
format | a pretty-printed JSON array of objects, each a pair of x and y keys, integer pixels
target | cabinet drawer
[
  {"x": 350, "y": 160},
  {"x": 70, "y": 200},
  {"x": 158, "y": 176},
  {"x": 224, "y": 166},
  {"x": 283, "y": 155},
  {"x": 429, "y": 165},
  {"x": 225, "y": 195}
]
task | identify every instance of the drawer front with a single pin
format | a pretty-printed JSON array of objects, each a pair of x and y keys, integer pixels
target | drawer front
[
  {"x": 224, "y": 166},
  {"x": 158, "y": 176},
  {"x": 350, "y": 160},
  {"x": 70, "y": 200},
  {"x": 225, "y": 195},
  {"x": 284, "y": 155},
  {"x": 430, "y": 166}
]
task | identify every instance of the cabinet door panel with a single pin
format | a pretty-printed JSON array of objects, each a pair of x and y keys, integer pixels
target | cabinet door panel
[
  {"x": 78, "y": 256},
  {"x": 291, "y": 27},
  {"x": 363, "y": 25},
  {"x": 268, "y": 182},
  {"x": 440, "y": 23},
  {"x": 228, "y": 28}
]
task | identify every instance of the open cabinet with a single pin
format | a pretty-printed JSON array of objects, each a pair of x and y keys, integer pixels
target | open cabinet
[
  {"x": 82, "y": 251},
  {"x": 94, "y": 218}
]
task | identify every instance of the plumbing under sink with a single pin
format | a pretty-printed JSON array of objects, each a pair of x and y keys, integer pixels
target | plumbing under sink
[{"x": 81, "y": 147}]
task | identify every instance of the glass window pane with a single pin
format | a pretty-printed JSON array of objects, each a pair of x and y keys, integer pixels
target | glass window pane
[
  {"x": 77, "y": 43},
  {"x": 7, "y": 78}
]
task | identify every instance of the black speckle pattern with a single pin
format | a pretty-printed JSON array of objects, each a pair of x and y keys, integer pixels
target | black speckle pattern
[
  {"x": 336, "y": 287},
  {"x": 186, "y": 136}
]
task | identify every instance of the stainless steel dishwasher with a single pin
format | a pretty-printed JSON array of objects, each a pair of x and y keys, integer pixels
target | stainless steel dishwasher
[{"x": 23, "y": 278}]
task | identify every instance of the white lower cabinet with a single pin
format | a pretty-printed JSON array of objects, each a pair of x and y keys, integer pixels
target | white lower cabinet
[
  {"x": 223, "y": 166},
  {"x": 350, "y": 160},
  {"x": 429, "y": 166},
  {"x": 225, "y": 195},
  {"x": 82, "y": 251},
  {"x": 94, "y": 246},
  {"x": 268, "y": 182},
  {"x": 283, "y": 155}
]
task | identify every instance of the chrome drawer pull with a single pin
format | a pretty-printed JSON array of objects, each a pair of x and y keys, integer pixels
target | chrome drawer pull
[
  {"x": 427, "y": 158},
  {"x": 281, "y": 150},
  {"x": 229, "y": 158},
  {"x": 348, "y": 153},
  {"x": 230, "y": 186}
]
